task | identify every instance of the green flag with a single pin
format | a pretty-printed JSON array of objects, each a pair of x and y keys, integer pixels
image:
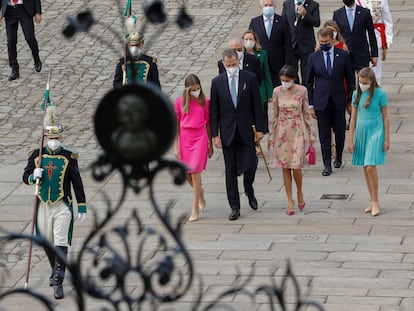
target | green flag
[{"x": 127, "y": 11}]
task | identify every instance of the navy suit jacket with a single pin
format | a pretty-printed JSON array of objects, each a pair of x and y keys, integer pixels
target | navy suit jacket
[
  {"x": 320, "y": 85},
  {"x": 225, "y": 118},
  {"x": 32, "y": 7},
  {"x": 303, "y": 36},
  {"x": 278, "y": 47},
  {"x": 250, "y": 63},
  {"x": 359, "y": 49}
]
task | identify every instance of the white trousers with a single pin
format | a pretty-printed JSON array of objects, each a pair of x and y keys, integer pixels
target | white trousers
[
  {"x": 378, "y": 68},
  {"x": 54, "y": 223}
]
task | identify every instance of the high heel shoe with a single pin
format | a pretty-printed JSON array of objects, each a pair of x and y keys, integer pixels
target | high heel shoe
[
  {"x": 368, "y": 209},
  {"x": 192, "y": 219},
  {"x": 301, "y": 206},
  {"x": 290, "y": 210},
  {"x": 201, "y": 201},
  {"x": 375, "y": 211}
]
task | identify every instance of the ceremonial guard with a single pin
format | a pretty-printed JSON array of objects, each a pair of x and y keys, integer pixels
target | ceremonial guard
[
  {"x": 383, "y": 25},
  {"x": 145, "y": 67},
  {"x": 55, "y": 169}
]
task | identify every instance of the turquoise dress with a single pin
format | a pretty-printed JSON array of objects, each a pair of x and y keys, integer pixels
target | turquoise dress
[{"x": 369, "y": 130}]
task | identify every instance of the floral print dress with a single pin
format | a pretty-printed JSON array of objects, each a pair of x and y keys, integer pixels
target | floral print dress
[{"x": 290, "y": 127}]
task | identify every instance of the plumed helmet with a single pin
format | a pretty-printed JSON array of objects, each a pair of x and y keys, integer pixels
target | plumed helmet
[
  {"x": 132, "y": 25},
  {"x": 51, "y": 128}
]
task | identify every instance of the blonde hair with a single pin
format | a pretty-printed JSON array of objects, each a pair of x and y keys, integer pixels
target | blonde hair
[
  {"x": 190, "y": 81},
  {"x": 369, "y": 74},
  {"x": 257, "y": 46}
]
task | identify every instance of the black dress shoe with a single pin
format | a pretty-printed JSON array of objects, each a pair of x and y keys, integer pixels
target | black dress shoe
[
  {"x": 38, "y": 66},
  {"x": 337, "y": 163},
  {"x": 234, "y": 214},
  {"x": 253, "y": 202},
  {"x": 327, "y": 171},
  {"x": 14, "y": 74}
]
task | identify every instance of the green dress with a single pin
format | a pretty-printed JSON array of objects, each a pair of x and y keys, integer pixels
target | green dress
[
  {"x": 369, "y": 130},
  {"x": 266, "y": 87}
]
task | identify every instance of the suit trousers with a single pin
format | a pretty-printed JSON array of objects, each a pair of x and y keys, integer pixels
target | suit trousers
[
  {"x": 13, "y": 17},
  {"x": 300, "y": 60},
  {"x": 331, "y": 118},
  {"x": 239, "y": 158}
]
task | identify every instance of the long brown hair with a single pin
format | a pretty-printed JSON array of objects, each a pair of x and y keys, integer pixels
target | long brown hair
[
  {"x": 366, "y": 73},
  {"x": 191, "y": 80},
  {"x": 334, "y": 25}
]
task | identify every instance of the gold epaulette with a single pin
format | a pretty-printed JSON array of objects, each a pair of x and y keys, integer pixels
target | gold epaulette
[
  {"x": 155, "y": 60},
  {"x": 30, "y": 152},
  {"x": 74, "y": 155}
]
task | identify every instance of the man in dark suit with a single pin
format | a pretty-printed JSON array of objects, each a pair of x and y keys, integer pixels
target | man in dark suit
[
  {"x": 235, "y": 106},
  {"x": 246, "y": 61},
  {"x": 355, "y": 23},
  {"x": 23, "y": 12},
  {"x": 274, "y": 35},
  {"x": 302, "y": 16},
  {"x": 327, "y": 69}
]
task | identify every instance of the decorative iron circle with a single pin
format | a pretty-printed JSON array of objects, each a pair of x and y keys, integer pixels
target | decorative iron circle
[{"x": 135, "y": 123}]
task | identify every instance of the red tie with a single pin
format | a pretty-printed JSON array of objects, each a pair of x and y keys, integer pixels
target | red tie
[{"x": 15, "y": 1}]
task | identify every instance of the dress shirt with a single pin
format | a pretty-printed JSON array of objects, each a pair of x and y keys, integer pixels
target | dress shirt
[{"x": 236, "y": 78}]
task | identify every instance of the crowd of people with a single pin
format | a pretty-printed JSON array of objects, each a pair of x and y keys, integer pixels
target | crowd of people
[
  {"x": 279, "y": 64},
  {"x": 276, "y": 63}
]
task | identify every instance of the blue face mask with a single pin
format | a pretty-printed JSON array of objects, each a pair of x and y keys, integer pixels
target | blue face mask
[
  {"x": 268, "y": 11},
  {"x": 325, "y": 47}
]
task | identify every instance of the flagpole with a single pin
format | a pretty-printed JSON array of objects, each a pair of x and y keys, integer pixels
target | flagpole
[{"x": 46, "y": 100}]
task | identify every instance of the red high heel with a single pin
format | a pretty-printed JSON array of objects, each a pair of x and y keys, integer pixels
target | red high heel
[{"x": 301, "y": 206}]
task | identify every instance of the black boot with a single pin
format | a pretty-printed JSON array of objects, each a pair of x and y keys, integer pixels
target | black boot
[
  {"x": 51, "y": 257},
  {"x": 59, "y": 274},
  {"x": 15, "y": 73}
]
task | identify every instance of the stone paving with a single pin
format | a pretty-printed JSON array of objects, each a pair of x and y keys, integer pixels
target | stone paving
[{"x": 342, "y": 258}]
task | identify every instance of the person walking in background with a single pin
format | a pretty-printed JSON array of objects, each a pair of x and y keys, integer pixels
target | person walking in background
[
  {"x": 235, "y": 108},
  {"x": 369, "y": 132},
  {"x": 327, "y": 69},
  {"x": 252, "y": 46},
  {"x": 193, "y": 142},
  {"x": 274, "y": 35},
  {"x": 355, "y": 24},
  {"x": 290, "y": 133},
  {"x": 23, "y": 12},
  {"x": 146, "y": 69},
  {"x": 246, "y": 61},
  {"x": 338, "y": 40},
  {"x": 302, "y": 17},
  {"x": 383, "y": 25}
]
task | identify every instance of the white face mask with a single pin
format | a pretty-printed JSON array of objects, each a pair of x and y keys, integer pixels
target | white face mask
[
  {"x": 53, "y": 144},
  {"x": 195, "y": 93},
  {"x": 135, "y": 51},
  {"x": 364, "y": 87},
  {"x": 239, "y": 55},
  {"x": 232, "y": 70},
  {"x": 287, "y": 85},
  {"x": 249, "y": 44}
]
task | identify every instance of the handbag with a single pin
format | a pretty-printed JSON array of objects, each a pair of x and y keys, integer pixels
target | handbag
[{"x": 311, "y": 155}]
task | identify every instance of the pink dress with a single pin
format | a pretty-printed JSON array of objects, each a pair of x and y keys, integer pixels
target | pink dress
[
  {"x": 193, "y": 138},
  {"x": 290, "y": 127}
]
